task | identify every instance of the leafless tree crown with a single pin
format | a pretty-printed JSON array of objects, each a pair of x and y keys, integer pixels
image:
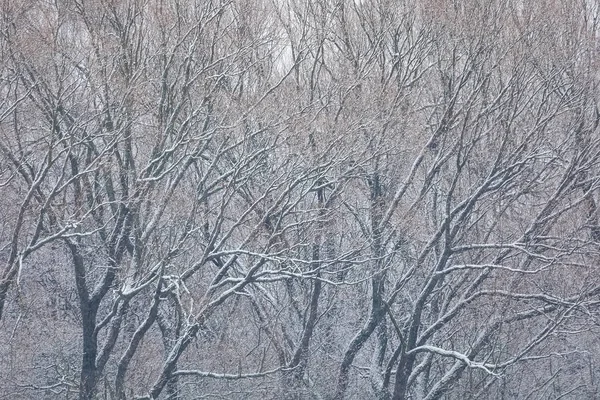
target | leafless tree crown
[{"x": 286, "y": 199}]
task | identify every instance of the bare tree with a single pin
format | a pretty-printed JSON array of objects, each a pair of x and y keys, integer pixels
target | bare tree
[{"x": 288, "y": 199}]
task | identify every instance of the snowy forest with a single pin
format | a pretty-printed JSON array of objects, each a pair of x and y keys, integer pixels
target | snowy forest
[{"x": 299, "y": 199}]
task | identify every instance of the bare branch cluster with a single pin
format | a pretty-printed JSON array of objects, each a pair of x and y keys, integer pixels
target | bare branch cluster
[{"x": 299, "y": 199}]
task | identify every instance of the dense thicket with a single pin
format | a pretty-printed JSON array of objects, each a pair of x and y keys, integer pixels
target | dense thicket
[{"x": 285, "y": 199}]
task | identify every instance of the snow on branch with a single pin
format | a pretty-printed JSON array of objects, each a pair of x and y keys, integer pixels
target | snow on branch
[
  {"x": 203, "y": 374},
  {"x": 455, "y": 355}
]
